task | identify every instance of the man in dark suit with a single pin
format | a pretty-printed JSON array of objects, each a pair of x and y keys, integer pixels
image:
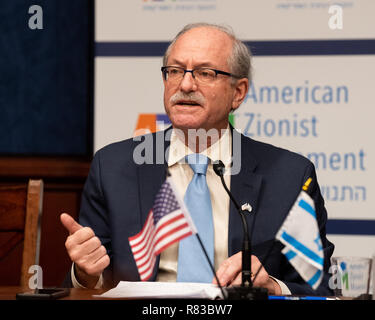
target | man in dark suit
[{"x": 206, "y": 75}]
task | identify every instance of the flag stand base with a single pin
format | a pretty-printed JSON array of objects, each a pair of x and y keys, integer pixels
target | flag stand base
[{"x": 246, "y": 293}]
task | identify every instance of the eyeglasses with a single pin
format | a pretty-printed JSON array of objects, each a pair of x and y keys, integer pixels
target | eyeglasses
[{"x": 205, "y": 75}]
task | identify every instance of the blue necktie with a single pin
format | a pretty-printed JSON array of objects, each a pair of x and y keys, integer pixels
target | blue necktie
[{"x": 192, "y": 263}]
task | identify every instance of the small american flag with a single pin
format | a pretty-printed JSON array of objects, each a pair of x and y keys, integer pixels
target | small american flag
[{"x": 167, "y": 222}]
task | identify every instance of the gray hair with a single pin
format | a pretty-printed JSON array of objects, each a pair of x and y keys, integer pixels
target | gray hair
[{"x": 239, "y": 61}]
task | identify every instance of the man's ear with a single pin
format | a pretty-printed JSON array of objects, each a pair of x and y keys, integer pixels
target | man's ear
[{"x": 241, "y": 88}]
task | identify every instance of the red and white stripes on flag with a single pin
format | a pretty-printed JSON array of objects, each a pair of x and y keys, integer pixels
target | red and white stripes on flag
[{"x": 167, "y": 222}]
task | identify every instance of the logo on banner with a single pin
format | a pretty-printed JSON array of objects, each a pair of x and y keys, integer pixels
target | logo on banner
[
  {"x": 153, "y": 122},
  {"x": 150, "y": 123}
]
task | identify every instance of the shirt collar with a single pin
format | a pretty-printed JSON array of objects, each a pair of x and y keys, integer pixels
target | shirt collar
[{"x": 220, "y": 150}]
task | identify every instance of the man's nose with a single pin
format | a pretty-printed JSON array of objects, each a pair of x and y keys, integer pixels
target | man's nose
[{"x": 188, "y": 83}]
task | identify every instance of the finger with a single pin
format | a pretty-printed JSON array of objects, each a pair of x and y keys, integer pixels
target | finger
[
  {"x": 95, "y": 263},
  {"x": 258, "y": 270},
  {"x": 230, "y": 269},
  {"x": 219, "y": 273},
  {"x": 90, "y": 245},
  {"x": 79, "y": 237},
  {"x": 69, "y": 223},
  {"x": 77, "y": 250},
  {"x": 237, "y": 281},
  {"x": 101, "y": 264},
  {"x": 97, "y": 255},
  {"x": 261, "y": 279},
  {"x": 256, "y": 265}
]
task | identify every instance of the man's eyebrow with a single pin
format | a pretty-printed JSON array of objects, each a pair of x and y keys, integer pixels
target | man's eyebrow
[{"x": 205, "y": 64}]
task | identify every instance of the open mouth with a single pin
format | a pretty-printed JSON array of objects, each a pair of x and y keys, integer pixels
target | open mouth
[{"x": 187, "y": 103}]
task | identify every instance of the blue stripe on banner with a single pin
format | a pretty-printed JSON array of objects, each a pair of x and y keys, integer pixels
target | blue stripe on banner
[
  {"x": 314, "y": 278},
  {"x": 130, "y": 49},
  {"x": 352, "y": 227},
  {"x": 259, "y": 48},
  {"x": 312, "y": 47},
  {"x": 306, "y": 206},
  {"x": 290, "y": 254},
  {"x": 302, "y": 248}
]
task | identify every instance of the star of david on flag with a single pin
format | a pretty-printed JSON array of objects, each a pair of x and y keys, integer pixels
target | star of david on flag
[
  {"x": 167, "y": 222},
  {"x": 303, "y": 246}
]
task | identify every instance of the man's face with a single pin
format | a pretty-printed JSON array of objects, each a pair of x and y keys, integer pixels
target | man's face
[{"x": 202, "y": 105}]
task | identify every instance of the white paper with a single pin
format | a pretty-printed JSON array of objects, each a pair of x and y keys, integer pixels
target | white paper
[{"x": 163, "y": 290}]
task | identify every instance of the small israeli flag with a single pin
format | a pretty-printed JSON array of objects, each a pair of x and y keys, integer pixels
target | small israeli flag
[{"x": 303, "y": 246}]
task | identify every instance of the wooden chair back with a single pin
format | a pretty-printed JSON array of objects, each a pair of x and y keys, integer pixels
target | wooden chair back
[{"x": 20, "y": 224}]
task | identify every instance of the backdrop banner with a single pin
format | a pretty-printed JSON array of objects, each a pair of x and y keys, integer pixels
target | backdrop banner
[{"x": 311, "y": 93}]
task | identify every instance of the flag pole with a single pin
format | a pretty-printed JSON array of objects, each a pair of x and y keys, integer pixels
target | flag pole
[{"x": 211, "y": 266}]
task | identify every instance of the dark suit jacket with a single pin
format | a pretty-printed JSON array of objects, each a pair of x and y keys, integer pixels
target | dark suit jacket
[{"x": 119, "y": 193}]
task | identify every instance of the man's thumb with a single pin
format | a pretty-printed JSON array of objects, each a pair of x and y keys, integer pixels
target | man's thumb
[{"x": 69, "y": 223}]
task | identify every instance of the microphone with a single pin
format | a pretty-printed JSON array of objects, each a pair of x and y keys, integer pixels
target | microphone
[{"x": 246, "y": 291}]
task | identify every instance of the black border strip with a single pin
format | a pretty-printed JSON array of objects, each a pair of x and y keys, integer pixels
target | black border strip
[
  {"x": 91, "y": 80},
  {"x": 259, "y": 48}
]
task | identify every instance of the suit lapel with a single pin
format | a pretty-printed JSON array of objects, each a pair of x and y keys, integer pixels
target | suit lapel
[
  {"x": 152, "y": 175},
  {"x": 245, "y": 187}
]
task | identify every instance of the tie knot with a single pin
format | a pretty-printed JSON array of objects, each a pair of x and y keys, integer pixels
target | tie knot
[{"x": 197, "y": 162}]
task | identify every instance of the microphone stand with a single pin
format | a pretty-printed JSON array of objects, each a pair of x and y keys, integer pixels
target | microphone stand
[{"x": 246, "y": 291}]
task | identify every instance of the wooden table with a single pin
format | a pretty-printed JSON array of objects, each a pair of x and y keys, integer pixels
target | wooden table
[
  {"x": 9, "y": 293},
  {"x": 79, "y": 304}
]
